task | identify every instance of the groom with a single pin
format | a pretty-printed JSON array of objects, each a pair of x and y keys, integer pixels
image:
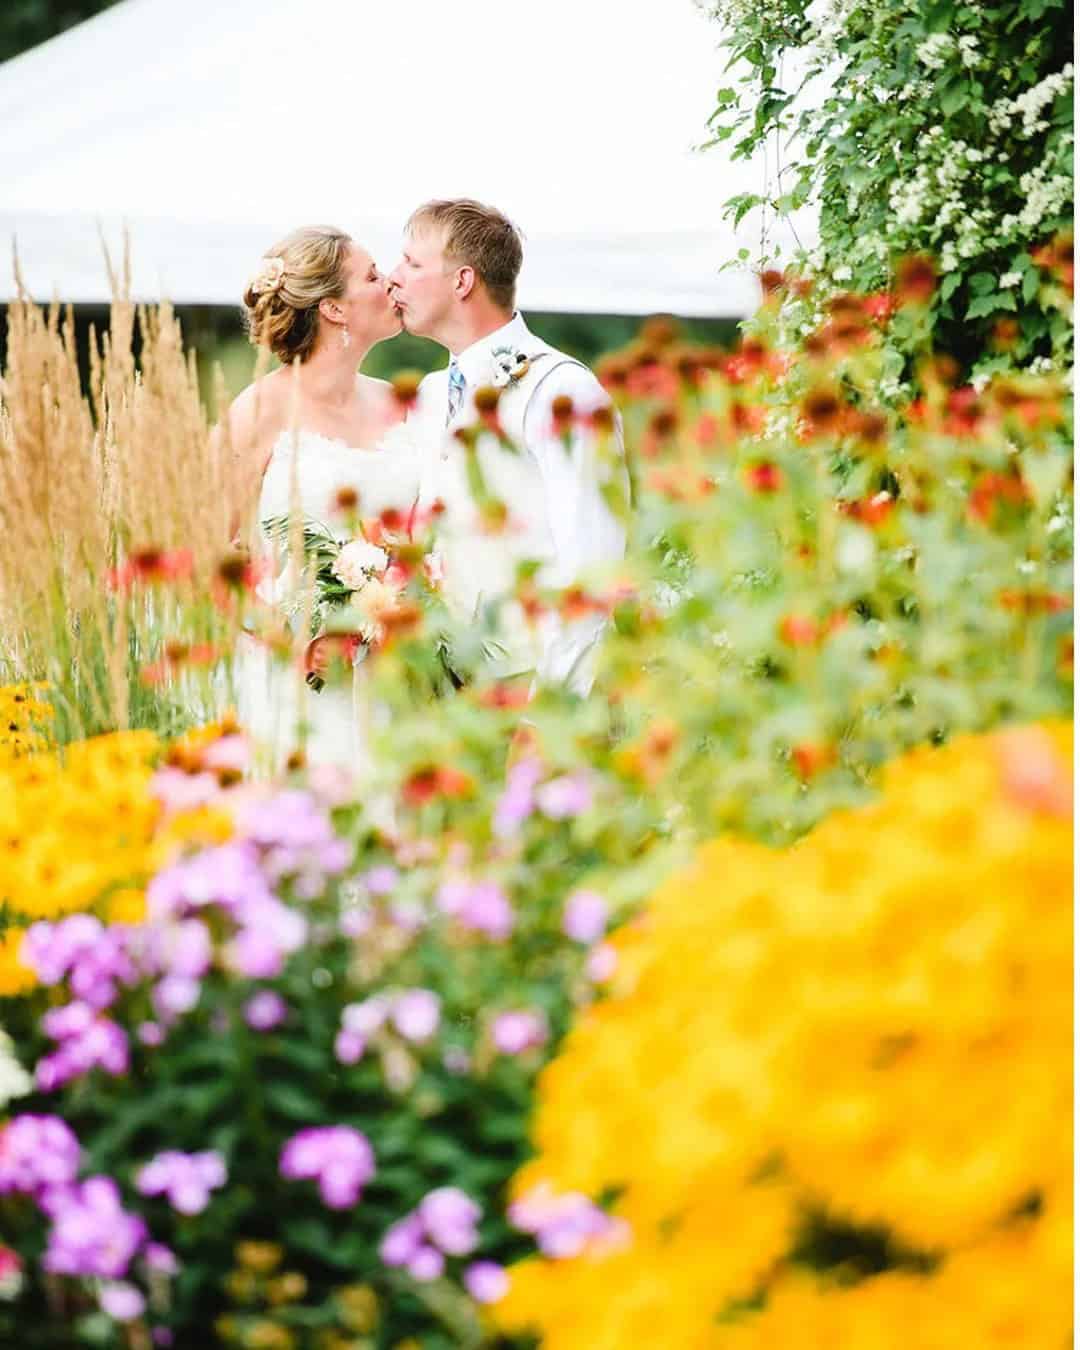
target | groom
[{"x": 551, "y": 492}]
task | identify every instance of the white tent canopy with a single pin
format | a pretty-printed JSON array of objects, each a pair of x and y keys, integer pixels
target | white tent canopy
[{"x": 212, "y": 127}]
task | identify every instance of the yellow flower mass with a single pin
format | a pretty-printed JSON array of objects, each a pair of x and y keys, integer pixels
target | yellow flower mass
[
  {"x": 79, "y": 827},
  {"x": 872, "y": 1027}
]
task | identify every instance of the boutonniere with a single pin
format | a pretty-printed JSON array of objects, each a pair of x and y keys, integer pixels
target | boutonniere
[{"x": 508, "y": 365}]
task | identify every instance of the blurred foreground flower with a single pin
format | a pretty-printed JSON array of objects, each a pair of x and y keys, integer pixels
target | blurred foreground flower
[{"x": 859, "y": 1132}]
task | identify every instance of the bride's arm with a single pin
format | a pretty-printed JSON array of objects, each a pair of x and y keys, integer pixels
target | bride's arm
[{"x": 244, "y": 438}]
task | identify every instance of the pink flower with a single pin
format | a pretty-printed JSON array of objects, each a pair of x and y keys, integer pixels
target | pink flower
[
  {"x": 349, "y": 1047},
  {"x": 601, "y": 963},
  {"x": 366, "y": 1017},
  {"x": 450, "y": 1217},
  {"x": 585, "y": 916},
  {"x": 486, "y": 1282},
  {"x": 480, "y": 905},
  {"x": 564, "y": 797},
  {"x": 37, "y": 1152},
  {"x": 185, "y": 1179},
  {"x": 121, "y": 1301},
  {"x": 338, "y": 1157},
  {"x": 402, "y": 1241},
  {"x": 427, "y": 1264},
  {"x": 515, "y": 1032},
  {"x": 265, "y": 1010},
  {"x": 416, "y": 1014}
]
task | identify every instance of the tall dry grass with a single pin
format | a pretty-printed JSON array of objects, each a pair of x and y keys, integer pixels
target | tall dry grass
[{"x": 90, "y": 477}]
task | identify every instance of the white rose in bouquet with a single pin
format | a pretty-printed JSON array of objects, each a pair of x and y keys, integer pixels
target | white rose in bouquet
[
  {"x": 373, "y": 600},
  {"x": 358, "y": 562}
]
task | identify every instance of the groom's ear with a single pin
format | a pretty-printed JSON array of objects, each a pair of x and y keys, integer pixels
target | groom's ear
[{"x": 464, "y": 282}]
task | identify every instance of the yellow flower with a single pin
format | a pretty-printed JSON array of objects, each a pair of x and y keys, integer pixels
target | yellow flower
[
  {"x": 15, "y": 978},
  {"x": 873, "y": 1025}
]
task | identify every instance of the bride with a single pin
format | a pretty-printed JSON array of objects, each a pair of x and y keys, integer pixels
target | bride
[{"x": 308, "y": 437}]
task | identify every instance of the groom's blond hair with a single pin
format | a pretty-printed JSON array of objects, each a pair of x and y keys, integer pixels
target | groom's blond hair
[{"x": 479, "y": 237}]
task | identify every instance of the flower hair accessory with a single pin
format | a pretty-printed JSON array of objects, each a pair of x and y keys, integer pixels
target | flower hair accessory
[{"x": 269, "y": 276}]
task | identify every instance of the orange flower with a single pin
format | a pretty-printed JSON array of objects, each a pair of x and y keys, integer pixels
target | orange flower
[
  {"x": 424, "y": 785},
  {"x": 991, "y": 489},
  {"x": 798, "y": 630},
  {"x": 765, "y": 476},
  {"x": 916, "y": 279},
  {"x": 809, "y": 759},
  {"x": 151, "y": 565},
  {"x": 406, "y": 387}
]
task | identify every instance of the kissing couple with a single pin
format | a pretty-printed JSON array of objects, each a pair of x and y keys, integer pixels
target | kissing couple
[{"x": 316, "y": 432}]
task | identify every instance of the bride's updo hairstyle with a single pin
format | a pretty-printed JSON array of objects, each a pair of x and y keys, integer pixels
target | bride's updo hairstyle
[{"x": 281, "y": 303}]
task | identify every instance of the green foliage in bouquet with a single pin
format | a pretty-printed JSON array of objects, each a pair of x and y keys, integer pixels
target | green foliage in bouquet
[{"x": 917, "y": 127}]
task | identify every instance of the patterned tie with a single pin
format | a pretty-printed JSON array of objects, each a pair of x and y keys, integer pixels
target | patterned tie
[{"x": 455, "y": 392}]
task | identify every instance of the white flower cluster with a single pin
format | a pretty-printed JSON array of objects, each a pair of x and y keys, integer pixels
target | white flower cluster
[
  {"x": 934, "y": 51},
  {"x": 14, "y": 1080},
  {"x": 357, "y": 562},
  {"x": 1030, "y": 105},
  {"x": 1045, "y": 195}
]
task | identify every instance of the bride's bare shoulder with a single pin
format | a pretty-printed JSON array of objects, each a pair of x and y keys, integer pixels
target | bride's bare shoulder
[
  {"x": 257, "y": 412},
  {"x": 380, "y": 394}
]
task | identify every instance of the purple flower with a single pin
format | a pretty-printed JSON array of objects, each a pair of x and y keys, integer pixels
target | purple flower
[
  {"x": 381, "y": 880},
  {"x": 365, "y": 1018},
  {"x": 338, "y": 1157},
  {"x": 449, "y": 1218},
  {"x": 585, "y": 916},
  {"x": 121, "y": 1301},
  {"x": 518, "y": 1031},
  {"x": 160, "y": 1259},
  {"x": 94, "y": 958},
  {"x": 87, "y": 1041},
  {"x": 402, "y": 1241},
  {"x": 91, "y": 1232},
  {"x": 486, "y": 1282},
  {"x": 228, "y": 875},
  {"x": 295, "y": 836},
  {"x": 516, "y": 803},
  {"x": 265, "y": 1010},
  {"x": 37, "y": 1152},
  {"x": 228, "y": 752},
  {"x": 180, "y": 791},
  {"x": 427, "y": 1264},
  {"x": 186, "y": 1179},
  {"x": 416, "y": 1014},
  {"x": 563, "y": 1224},
  {"x": 151, "y": 1033},
  {"x": 564, "y": 797},
  {"x": 175, "y": 995},
  {"x": 356, "y": 921},
  {"x": 349, "y": 1047},
  {"x": 480, "y": 905},
  {"x": 183, "y": 948},
  {"x": 271, "y": 932}
]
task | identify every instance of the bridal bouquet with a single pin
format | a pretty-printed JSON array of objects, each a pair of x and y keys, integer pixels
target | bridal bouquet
[{"x": 360, "y": 587}]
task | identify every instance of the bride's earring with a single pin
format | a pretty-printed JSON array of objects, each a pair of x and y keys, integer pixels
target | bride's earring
[{"x": 346, "y": 340}]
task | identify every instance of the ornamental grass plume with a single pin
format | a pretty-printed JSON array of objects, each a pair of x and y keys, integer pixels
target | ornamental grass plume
[
  {"x": 120, "y": 481},
  {"x": 831, "y": 1088}
]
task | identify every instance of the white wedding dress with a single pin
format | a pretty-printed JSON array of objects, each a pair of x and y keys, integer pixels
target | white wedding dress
[{"x": 305, "y": 473}]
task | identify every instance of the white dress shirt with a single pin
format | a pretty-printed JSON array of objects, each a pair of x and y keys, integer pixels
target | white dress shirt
[{"x": 554, "y": 493}]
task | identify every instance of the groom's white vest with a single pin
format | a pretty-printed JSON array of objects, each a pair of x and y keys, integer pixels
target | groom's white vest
[{"x": 480, "y": 564}]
